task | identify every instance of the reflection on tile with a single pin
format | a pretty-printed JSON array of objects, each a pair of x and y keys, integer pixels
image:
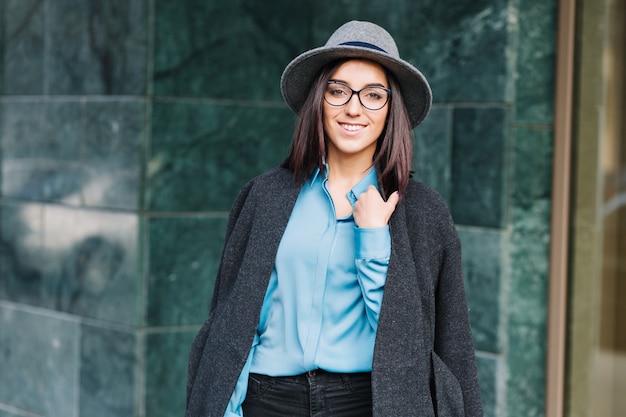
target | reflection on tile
[
  {"x": 38, "y": 358},
  {"x": 478, "y": 179},
  {"x": 530, "y": 261},
  {"x": 81, "y": 262},
  {"x": 534, "y": 87},
  {"x": 41, "y": 150},
  {"x": 202, "y": 154},
  {"x": 482, "y": 252},
  {"x": 21, "y": 238},
  {"x": 22, "y": 43},
  {"x": 525, "y": 392},
  {"x": 528, "y": 296},
  {"x": 487, "y": 375},
  {"x": 107, "y": 372},
  {"x": 97, "y": 47},
  {"x": 532, "y": 162},
  {"x": 240, "y": 55},
  {"x": 530, "y": 232},
  {"x": 73, "y": 152},
  {"x": 461, "y": 47},
  {"x": 528, "y": 309},
  {"x": 433, "y": 151},
  {"x": 112, "y": 153},
  {"x": 91, "y": 263},
  {"x": 183, "y": 261},
  {"x": 166, "y": 372}
]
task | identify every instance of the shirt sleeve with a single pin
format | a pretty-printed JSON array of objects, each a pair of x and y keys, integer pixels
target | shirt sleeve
[{"x": 373, "y": 250}]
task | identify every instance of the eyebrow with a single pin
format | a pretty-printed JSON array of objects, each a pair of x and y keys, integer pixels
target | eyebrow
[{"x": 333, "y": 80}]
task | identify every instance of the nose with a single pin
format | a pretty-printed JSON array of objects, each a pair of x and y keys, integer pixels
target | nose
[{"x": 353, "y": 107}]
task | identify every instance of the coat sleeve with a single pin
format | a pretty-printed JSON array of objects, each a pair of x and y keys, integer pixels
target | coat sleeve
[
  {"x": 233, "y": 216},
  {"x": 453, "y": 359},
  {"x": 197, "y": 347}
]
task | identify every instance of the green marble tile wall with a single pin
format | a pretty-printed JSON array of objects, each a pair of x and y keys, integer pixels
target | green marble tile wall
[{"x": 128, "y": 126}]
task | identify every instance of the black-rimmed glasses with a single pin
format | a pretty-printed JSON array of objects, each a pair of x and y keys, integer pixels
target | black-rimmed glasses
[{"x": 371, "y": 97}]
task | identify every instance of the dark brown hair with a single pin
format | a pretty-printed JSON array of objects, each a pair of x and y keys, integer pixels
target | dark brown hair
[{"x": 394, "y": 149}]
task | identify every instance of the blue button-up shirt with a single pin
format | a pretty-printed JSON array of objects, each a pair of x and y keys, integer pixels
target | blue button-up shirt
[{"x": 322, "y": 303}]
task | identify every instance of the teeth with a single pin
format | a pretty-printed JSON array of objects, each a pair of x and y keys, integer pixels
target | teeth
[{"x": 352, "y": 128}]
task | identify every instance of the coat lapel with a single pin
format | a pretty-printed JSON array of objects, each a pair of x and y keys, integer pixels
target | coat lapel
[{"x": 274, "y": 203}]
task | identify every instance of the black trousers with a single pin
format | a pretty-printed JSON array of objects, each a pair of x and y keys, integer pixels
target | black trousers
[{"x": 312, "y": 394}]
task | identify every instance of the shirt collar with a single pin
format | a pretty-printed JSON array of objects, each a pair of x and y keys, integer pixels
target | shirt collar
[
  {"x": 317, "y": 173},
  {"x": 359, "y": 188},
  {"x": 370, "y": 178}
]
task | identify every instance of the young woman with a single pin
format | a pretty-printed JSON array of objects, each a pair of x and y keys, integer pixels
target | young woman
[{"x": 339, "y": 291}]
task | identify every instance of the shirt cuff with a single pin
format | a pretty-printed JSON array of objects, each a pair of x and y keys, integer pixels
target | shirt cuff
[{"x": 372, "y": 243}]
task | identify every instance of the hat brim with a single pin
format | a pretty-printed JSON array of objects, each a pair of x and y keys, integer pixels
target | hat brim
[{"x": 298, "y": 77}]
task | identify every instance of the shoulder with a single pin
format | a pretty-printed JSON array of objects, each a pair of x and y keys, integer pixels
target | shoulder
[
  {"x": 263, "y": 199},
  {"x": 267, "y": 190},
  {"x": 427, "y": 210},
  {"x": 274, "y": 178},
  {"x": 419, "y": 196}
]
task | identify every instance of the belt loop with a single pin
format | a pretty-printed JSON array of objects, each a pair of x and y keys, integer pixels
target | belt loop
[{"x": 345, "y": 378}]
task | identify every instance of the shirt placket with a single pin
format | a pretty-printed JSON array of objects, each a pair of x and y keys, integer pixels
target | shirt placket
[{"x": 319, "y": 286}]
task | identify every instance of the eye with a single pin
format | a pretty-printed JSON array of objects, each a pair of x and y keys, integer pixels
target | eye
[
  {"x": 337, "y": 90},
  {"x": 374, "y": 94}
]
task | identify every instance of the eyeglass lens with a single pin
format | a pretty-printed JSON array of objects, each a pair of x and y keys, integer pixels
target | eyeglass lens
[{"x": 372, "y": 98}]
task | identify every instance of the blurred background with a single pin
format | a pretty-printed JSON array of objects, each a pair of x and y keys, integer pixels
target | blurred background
[{"x": 128, "y": 126}]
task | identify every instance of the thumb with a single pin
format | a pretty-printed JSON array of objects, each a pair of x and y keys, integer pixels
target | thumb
[{"x": 393, "y": 199}]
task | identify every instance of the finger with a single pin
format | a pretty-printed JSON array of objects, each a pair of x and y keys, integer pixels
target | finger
[
  {"x": 393, "y": 199},
  {"x": 373, "y": 190}
]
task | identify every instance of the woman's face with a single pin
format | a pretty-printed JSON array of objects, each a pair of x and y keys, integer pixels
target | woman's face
[{"x": 353, "y": 130}]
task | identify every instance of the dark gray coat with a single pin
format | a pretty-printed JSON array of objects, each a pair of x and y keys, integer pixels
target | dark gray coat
[{"x": 424, "y": 362}]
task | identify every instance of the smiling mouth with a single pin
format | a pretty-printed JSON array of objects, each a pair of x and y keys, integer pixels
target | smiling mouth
[{"x": 350, "y": 127}]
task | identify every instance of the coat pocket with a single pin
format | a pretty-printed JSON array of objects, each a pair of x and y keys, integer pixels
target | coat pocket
[{"x": 447, "y": 395}]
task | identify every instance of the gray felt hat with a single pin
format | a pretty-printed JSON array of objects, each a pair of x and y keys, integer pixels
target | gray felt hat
[{"x": 358, "y": 40}]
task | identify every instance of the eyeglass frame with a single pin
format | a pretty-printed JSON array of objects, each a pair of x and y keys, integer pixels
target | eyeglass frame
[{"x": 358, "y": 94}]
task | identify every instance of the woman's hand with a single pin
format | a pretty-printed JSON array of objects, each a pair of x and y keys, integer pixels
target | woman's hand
[{"x": 372, "y": 211}]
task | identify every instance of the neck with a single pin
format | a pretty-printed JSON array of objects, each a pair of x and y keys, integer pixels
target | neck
[{"x": 346, "y": 172}]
